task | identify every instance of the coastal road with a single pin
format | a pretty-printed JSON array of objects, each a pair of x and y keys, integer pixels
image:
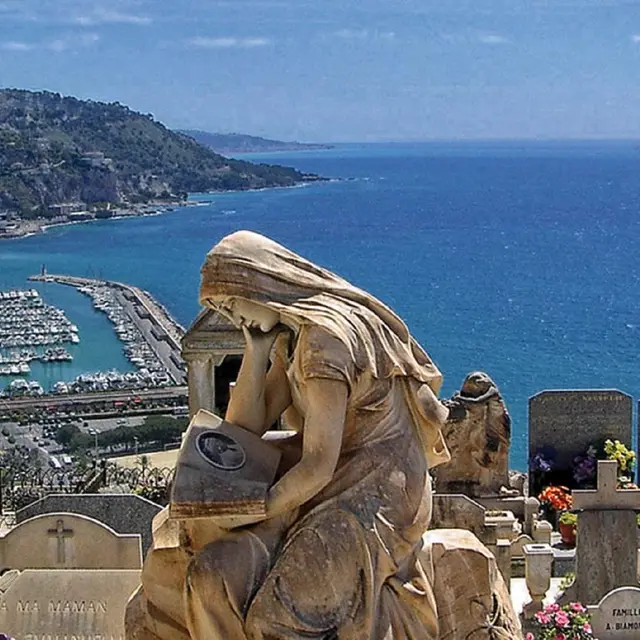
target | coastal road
[{"x": 163, "y": 393}]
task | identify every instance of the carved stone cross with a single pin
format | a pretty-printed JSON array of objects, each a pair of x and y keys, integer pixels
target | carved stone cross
[
  {"x": 606, "y": 497},
  {"x": 60, "y": 533}
]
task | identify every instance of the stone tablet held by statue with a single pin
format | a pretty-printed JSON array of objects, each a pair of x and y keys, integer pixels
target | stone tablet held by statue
[{"x": 223, "y": 471}]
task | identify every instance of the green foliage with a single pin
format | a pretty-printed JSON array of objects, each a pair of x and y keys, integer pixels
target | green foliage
[
  {"x": 566, "y": 517},
  {"x": 159, "y": 430},
  {"x": 56, "y": 149},
  {"x": 567, "y": 580},
  {"x": 617, "y": 451}
]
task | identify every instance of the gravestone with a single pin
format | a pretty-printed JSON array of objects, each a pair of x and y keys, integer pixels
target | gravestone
[
  {"x": 617, "y": 615},
  {"x": 457, "y": 511},
  {"x": 68, "y": 541},
  {"x": 606, "y": 541},
  {"x": 124, "y": 513},
  {"x": 65, "y": 604},
  {"x": 571, "y": 421}
]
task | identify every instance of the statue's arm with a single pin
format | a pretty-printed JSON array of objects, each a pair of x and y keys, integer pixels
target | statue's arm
[
  {"x": 323, "y": 426},
  {"x": 248, "y": 402},
  {"x": 277, "y": 392}
]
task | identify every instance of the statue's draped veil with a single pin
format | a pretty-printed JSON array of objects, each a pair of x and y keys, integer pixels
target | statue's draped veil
[{"x": 249, "y": 265}]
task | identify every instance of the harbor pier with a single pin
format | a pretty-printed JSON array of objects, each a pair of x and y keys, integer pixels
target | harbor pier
[{"x": 160, "y": 331}]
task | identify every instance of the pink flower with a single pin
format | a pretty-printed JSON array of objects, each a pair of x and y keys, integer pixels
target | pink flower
[
  {"x": 586, "y": 627},
  {"x": 543, "y": 618},
  {"x": 562, "y": 619},
  {"x": 576, "y": 606},
  {"x": 560, "y": 636},
  {"x": 529, "y": 636},
  {"x": 552, "y": 608}
]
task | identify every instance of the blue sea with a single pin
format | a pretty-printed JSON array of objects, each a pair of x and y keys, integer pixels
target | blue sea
[{"x": 520, "y": 259}]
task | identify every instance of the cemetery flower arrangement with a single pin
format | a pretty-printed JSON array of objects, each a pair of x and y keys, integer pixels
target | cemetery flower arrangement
[
  {"x": 543, "y": 460},
  {"x": 566, "y": 517},
  {"x": 569, "y": 622},
  {"x": 585, "y": 467},
  {"x": 557, "y": 497},
  {"x": 625, "y": 458}
]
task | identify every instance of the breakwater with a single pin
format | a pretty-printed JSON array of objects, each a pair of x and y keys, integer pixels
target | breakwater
[{"x": 151, "y": 336}]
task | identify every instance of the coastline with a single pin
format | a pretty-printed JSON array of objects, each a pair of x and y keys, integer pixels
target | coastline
[{"x": 26, "y": 228}]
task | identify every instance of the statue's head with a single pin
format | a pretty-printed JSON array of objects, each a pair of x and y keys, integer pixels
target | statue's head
[
  {"x": 476, "y": 384},
  {"x": 253, "y": 279},
  {"x": 248, "y": 265}
]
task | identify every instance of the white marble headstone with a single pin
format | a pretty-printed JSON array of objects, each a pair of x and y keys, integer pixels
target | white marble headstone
[{"x": 617, "y": 615}]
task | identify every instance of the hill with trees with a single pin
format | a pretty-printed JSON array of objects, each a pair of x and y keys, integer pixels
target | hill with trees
[
  {"x": 227, "y": 143},
  {"x": 56, "y": 149}
]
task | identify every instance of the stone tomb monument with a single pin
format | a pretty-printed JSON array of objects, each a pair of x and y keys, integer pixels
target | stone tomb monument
[
  {"x": 66, "y": 576},
  {"x": 606, "y": 541},
  {"x": 58, "y": 604},
  {"x": 617, "y": 615},
  {"x": 478, "y": 435},
  {"x": 571, "y": 421},
  {"x": 212, "y": 349},
  {"x": 68, "y": 541},
  {"x": 123, "y": 512}
]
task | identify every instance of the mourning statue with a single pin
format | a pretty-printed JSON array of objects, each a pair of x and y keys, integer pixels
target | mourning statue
[
  {"x": 478, "y": 435},
  {"x": 336, "y": 551}
]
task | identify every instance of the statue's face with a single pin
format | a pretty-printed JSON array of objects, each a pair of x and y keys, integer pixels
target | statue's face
[{"x": 246, "y": 313}]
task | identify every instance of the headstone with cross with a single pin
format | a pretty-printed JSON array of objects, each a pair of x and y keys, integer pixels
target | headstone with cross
[
  {"x": 60, "y": 533},
  {"x": 68, "y": 541},
  {"x": 606, "y": 543}
]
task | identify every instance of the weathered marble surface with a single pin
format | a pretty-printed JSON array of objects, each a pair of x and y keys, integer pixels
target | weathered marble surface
[
  {"x": 336, "y": 552},
  {"x": 478, "y": 435},
  {"x": 472, "y": 598}
]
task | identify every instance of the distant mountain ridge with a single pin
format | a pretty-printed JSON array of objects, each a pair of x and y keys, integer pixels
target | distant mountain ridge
[
  {"x": 56, "y": 149},
  {"x": 226, "y": 143}
]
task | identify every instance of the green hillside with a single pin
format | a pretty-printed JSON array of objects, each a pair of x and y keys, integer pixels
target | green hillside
[
  {"x": 56, "y": 149},
  {"x": 243, "y": 143}
]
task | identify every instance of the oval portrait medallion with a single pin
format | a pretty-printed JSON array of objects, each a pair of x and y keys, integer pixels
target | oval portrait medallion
[{"x": 221, "y": 450}]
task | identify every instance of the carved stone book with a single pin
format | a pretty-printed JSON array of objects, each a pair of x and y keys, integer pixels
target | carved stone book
[{"x": 223, "y": 471}]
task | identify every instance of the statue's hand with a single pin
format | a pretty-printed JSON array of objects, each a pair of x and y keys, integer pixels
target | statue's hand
[{"x": 259, "y": 343}]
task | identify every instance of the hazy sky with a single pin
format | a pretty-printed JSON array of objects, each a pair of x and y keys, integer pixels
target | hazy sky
[{"x": 341, "y": 69}]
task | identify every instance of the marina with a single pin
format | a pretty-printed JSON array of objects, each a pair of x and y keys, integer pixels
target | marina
[
  {"x": 151, "y": 337},
  {"x": 35, "y": 334}
]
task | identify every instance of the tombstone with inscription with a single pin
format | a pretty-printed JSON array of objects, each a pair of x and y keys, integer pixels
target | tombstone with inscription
[
  {"x": 569, "y": 422},
  {"x": 617, "y": 615},
  {"x": 606, "y": 541},
  {"x": 66, "y": 576},
  {"x": 65, "y": 604}
]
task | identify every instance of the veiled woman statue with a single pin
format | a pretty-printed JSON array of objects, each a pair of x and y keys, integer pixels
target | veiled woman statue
[{"x": 337, "y": 556}]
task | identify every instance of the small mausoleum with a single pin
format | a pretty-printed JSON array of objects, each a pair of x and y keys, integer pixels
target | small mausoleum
[{"x": 212, "y": 349}]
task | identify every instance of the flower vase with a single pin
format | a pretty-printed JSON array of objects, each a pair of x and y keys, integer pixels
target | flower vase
[
  {"x": 548, "y": 513},
  {"x": 568, "y": 533}
]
